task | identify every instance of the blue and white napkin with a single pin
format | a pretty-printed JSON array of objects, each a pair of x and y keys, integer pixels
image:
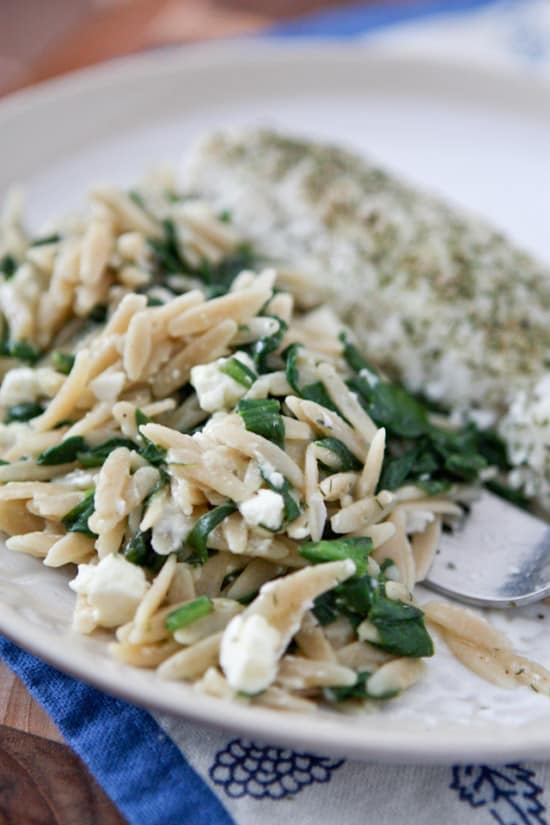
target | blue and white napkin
[{"x": 162, "y": 771}]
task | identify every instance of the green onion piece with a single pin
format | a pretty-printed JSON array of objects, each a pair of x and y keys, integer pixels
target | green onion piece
[
  {"x": 225, "y": 216},
  {"x": 188, "y": 613},
  {"x": 8, "y": 266},
  {"x": 166, "y": 250},
  {"x": 262, "y": 416},
  {"x": 311, "y": 392},
  {"x": 95, "y": 456},
  {"x": 63, "y": 361},
  {"x": 149, "y": 451},
  {"x": 23, "y": 351},
  {"x": 239, "y": 372},
  {"x": 154, "y": 302},
  {"x": 347, "y": 461},
  {"x": 139, "y": 551},
  {"x": 198, "y": 537},
  {"x": 24, "y": 411},
  {"x": 76, "y": 520},
  {"x": 54, "y": 238},
  {"x": 63, "y": 453},
  {"x": 400, "y": 628},
  {"x": 356, "y": 549},
  {"x": 292, "y": 508},
  {"x": 98, "y": 314}
]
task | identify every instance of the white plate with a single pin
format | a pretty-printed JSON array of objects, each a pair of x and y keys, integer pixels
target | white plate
[{"x": 482, "y": 139}]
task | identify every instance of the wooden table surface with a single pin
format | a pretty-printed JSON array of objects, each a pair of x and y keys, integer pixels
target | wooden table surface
[{"x": 41, "y": 781}]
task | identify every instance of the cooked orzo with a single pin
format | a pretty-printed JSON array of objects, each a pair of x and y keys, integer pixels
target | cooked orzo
[{"x": 249, "y": 500}]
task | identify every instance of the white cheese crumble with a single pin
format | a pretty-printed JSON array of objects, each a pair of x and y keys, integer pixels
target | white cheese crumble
[
  {"x": 271, "y": 475},
  {"x": 249, "y": 653},
  {"x": 265, "y": 508},
  {"x": 113, "y": 589},
  {"x": 215, "y": 389},
  {"x": 416, "y": 521},
  {"x": 24, "y": 384},
  {"x": 108, "y": 385},
  {"x": 170, "y": 529}
]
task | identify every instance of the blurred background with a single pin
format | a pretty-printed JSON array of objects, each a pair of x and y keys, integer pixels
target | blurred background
[{"x": 43, "y": 38}]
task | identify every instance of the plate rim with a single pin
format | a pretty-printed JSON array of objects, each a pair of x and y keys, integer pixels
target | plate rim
[{"x": 428, "y": 746}]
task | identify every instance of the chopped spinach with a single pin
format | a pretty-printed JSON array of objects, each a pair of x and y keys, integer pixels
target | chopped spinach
[
  {"x": 400, "y": 626},
  {"x": 198, "y": 537},
  {"x": 63, "y": 361},
  {"x": 23, "y": 411},
  {"x": 311, "y": 392},
  {"x": 95, "y": 456},
  {"x": 63, "y": 453},
  {"x": 76, "y": 520},
  {"x": 149, "y": 451},
  {"x": 8, "y": 266},
  {"x": 139, "y": 550},
  {"x": 98, "y": 314},
  {"x": 346, "y": 459}
]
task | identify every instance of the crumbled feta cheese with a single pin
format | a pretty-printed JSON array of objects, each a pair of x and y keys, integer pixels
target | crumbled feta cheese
[
  {"x": 265, "y": 508},
  {"x": 215, "y": 389},
  {"x": 271, "y": 475},
  {"x": 108, "y": 385},
  {"x": 416, "y": 521},
  {"x": 170, "y": 529},
  {"x": 18, "y": 386},
  {"x": 249, "y": 653},
  {"x": 113, "y": 589}
]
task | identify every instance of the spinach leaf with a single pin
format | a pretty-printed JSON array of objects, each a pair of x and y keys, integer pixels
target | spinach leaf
[
  {"x": 98, "y": 314},
  {"x": 76, "y": 520},
  {"x": 149, "y": 451},
  {"x": 198, "y": 537},
  {"x": 311, "y": 392},
  {"x": 19, "y": 349},
  {"x": 346, "y": 459},
  {"x": 291, "y": 507},
  {"x": 8, "y": 266},
  {"x": 262, "y": 416},
  {"x": 166, "y": 250},
  {"x": 63, "y": 453},
  {"x": 95, "y": 456},
  {"x": 139, "y": 551},
  {"x": 23, "y": 411}
]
